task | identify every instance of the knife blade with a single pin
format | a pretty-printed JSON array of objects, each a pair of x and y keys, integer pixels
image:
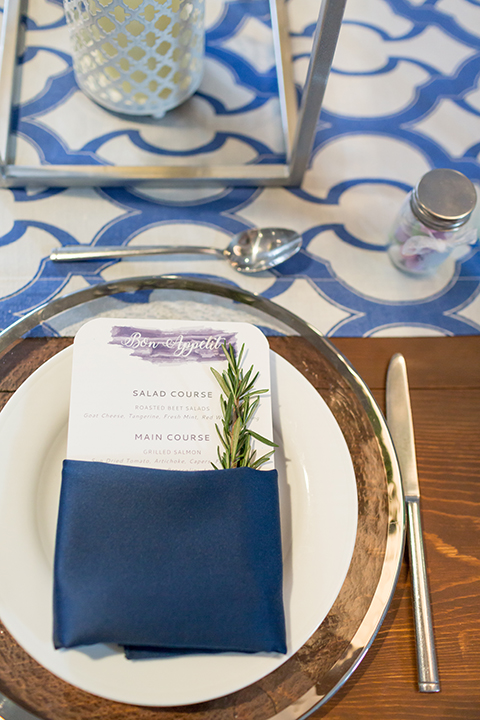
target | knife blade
[{"x": 400, "y": 423}]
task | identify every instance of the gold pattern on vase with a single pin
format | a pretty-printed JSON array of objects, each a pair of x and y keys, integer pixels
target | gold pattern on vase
[{"x": 141, "y": 57}]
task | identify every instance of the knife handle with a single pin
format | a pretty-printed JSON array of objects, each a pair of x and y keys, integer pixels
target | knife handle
[{"x": 428, "y": 680}]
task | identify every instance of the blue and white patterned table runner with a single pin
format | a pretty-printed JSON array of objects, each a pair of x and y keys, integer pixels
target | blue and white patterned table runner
[{"x": 403, "y": 97}]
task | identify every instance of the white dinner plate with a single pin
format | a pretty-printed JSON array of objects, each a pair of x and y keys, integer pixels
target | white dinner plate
[{"x": 318, "y": 499}]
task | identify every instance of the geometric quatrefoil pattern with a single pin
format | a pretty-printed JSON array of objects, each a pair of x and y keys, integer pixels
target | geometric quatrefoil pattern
[
  {"x": 403, "y": 97},
  {"x": 137, "y": 56}
]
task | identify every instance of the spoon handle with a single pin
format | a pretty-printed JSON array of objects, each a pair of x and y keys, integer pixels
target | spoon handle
[{"x": 72, "y": 253}]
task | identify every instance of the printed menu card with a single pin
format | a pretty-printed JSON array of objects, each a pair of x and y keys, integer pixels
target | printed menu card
[
  {"x": 134, "y": 565},
  {"x": 143, "y": 392}
]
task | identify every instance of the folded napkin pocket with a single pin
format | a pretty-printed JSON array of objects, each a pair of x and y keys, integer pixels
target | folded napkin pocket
[{"x": 168, "y": 560}]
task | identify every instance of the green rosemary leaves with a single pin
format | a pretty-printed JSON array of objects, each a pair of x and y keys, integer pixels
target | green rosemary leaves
[{"x": 238, "y": 402}]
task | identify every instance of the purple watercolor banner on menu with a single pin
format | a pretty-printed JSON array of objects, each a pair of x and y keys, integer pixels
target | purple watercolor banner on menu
[{"x": 169, "y": 347}]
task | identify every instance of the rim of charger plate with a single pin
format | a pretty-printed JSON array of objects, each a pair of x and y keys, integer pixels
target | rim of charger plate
[{"x": 345, "y": 665}]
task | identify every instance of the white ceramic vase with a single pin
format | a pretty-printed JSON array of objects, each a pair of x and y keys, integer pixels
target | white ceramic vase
[{"x": 139, "y": 57}]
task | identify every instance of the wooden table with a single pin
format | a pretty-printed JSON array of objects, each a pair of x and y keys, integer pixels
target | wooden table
[{"x": 444, "y": 376}]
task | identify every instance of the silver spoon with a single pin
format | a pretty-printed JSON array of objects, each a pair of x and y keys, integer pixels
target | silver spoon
[{"x": 249, "y": 251}]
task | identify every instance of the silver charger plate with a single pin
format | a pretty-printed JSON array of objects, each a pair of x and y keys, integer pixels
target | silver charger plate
[{"x": 313, "y": 675}]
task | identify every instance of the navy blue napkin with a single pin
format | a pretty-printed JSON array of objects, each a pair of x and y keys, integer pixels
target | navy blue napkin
[{"x": 163, "y": 560}]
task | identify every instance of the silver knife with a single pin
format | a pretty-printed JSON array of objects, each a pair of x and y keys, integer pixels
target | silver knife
[{"x": 399, "y": 419}]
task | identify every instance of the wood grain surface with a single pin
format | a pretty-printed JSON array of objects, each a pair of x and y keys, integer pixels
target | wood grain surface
[{"x": 444, "y": 376}]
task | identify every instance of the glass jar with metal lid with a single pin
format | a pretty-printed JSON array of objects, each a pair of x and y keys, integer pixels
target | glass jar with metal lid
[{"x": 432, "y": 221}]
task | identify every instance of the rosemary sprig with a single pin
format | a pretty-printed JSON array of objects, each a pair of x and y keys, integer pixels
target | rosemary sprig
[{"x": 238, "y": 403}]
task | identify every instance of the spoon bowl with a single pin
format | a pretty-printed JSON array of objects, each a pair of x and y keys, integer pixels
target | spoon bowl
[
  {"x": 249, "y": 251},
  {"x": 259, "y": 249}
]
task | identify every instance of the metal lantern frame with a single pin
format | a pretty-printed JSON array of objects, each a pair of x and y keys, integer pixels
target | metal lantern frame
[{"x": 298, "y": 123}]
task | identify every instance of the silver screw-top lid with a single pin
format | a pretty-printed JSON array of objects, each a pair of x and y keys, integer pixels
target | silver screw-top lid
[{"x": 443, "y": 199}]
